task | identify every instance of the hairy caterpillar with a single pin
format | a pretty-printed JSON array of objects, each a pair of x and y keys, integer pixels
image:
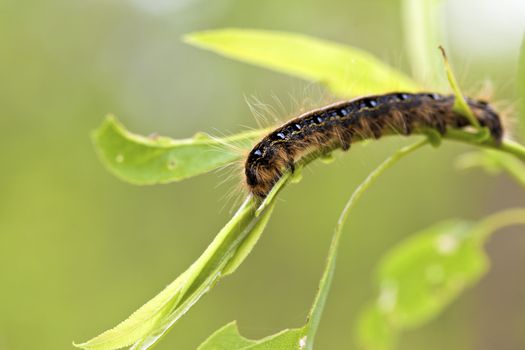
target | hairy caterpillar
[{"x": 340, "y": 124}]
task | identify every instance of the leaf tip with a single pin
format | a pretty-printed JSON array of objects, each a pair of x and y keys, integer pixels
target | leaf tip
[
  {"x": 198, "y": 38},
  {"x": 214, "y": 38},
  {"x": 189, "y": 38},
  {"x": 79, "y": 345},
  {"x": 110, "y": 122}
]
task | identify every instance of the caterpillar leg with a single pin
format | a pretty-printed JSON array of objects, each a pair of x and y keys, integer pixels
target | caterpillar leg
[
  {"x": 434, "y": 137},
  {"x": 291, "y": 165}
]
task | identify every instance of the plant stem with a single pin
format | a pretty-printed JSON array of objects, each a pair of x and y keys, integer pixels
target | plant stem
[
  {"x": 506, "y": 145},
  {"x": 489, "y": 225},
  {"x": 513, "y": 148},
  {"x": 460, "y": 105},
  {"x": 326, "y": 280}
]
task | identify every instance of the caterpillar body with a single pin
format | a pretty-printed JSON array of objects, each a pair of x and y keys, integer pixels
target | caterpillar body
[{"x": 340, "y": 124}]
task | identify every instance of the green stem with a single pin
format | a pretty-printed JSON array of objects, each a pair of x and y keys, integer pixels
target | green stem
[
  {"x": 326, "y": 280},
  {"x": 513, "y": 148},
  {"x": 506, "y": 145},
  {"x": 489, "y": 225},
  {"x": 460, "y": 104}
]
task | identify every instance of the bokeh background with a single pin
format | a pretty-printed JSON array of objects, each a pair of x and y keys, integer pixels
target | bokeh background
[{"x": 80, "y": 250}]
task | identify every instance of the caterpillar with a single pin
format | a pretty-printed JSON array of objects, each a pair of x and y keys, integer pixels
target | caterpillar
[{"x": 340, "y": 124}]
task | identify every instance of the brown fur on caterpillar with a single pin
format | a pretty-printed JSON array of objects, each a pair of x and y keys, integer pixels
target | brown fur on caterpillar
[{"x": 340, "y": 124}]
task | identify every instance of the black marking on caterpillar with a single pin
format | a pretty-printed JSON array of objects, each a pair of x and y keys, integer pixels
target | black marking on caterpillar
[{"x": 339, "y": 125}]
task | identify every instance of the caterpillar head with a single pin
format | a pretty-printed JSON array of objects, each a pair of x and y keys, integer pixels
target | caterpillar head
[{"x": 263, "y": 168}]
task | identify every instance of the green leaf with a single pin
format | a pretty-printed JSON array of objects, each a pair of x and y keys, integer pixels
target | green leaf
[
  {"x": 150, "y": 160},
  {"x": 420, "y": 277},
  {"x": 521, "y": 87},
  {"x": 226, "y": 338},
  {"x": 345, "y": 70},
  {"x": 375, "y": 331},
  {"x": 425, "y": 273},
  {"x": 229, "y": 338},
  {"x": 289, "y": 339},
  {"x": 149, "y": 323}
]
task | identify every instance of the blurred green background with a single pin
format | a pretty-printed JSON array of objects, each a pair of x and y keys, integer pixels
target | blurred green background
[{"x": 80, "y": 250}]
